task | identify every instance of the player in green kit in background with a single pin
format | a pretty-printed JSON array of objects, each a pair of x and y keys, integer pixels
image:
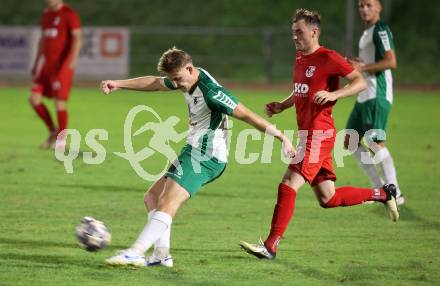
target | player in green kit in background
[
  {"x": 376, "y": 59},
  {"x": 200, "y": 162}
]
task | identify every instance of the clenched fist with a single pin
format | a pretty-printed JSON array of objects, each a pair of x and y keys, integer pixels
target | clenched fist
[{"x": 109, "y": 86}]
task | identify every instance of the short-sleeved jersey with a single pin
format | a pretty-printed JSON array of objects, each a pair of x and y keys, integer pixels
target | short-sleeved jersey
[
  {"x": 375, "y": 41},
  {"x": 209, "y": 105},
  {"x": 56, "y": 28},
  {"x": 315, "y": 72}
]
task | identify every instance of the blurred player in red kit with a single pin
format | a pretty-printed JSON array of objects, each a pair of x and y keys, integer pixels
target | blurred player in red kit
[
  {"x": 316, "y": 89},
  {"x": 54, "y": 65}
]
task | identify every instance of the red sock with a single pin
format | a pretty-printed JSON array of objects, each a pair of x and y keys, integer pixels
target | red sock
[
  {"x": 282, "y": 214},
  {"x": 349, "y": 196},
  {"x": 62, "y": 120},
  {"x": 44, "y": 114}
]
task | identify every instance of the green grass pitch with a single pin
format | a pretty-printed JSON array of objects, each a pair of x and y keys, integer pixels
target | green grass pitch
[{"x": 40, "y": 204}]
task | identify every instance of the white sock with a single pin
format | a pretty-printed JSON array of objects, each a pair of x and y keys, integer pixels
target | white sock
[
  {"x": 369, "y": 169},
  {"x": 150, "y": 215},
  {"x": 162, "y": 245},
  {"x": 389, "y": 171},
  {"x": 157, "y": 225}
]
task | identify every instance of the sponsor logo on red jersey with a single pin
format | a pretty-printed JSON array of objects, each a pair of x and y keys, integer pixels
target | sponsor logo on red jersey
[
  {"x": 301, "y": 89},
  {"x": 50, "y": 32}
]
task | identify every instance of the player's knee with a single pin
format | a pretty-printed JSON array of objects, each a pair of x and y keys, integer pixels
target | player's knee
[
  {"x": 323, "y": 204},
  {"x": 151, "y": 199},
  {"x": 328, "y": 203},
  {"x": 34, "y": 99},
  {"x": 287, "y": 182},
  {"x": 326, "y": 206},
  {"x": 60, "y": 105}
]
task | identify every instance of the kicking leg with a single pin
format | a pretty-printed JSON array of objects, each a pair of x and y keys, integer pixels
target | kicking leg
[
  {"x": 170, "y": 201},
  {"x": 161, "y": 254}
]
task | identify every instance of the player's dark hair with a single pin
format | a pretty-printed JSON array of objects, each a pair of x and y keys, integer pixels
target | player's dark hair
[
  {"x": 310, "y": 17},
  {"x": 172, "y": 60}
]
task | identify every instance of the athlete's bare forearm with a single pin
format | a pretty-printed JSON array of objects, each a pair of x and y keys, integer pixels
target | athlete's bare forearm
[
  {"x": 389, "y": 61},
  {"x": 288, "y": 101},
  {"x": 379, "y": 66},
  {"x": 246, "y": 115},
  {"x": 243, "y": 113},
  {"x": 357, "y": 84},
  {"x": 145, "y": 83}
]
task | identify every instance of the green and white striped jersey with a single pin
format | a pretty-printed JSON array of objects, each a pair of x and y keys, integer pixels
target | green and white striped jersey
[
  {"x": 375, "y": 41},
  {"x": 209, "y": 105}
]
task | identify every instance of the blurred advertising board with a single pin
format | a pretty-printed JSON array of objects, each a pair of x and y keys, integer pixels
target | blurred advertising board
[{"x": 105, "y": 52}]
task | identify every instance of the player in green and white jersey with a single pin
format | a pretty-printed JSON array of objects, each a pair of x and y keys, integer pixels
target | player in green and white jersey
[
  {"x": 370, "y": 114},
  {"x": 201, "y": 161}
]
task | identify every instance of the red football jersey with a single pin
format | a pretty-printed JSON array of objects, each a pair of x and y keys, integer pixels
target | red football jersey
[
  {"x": 315, "y": 72},
  {"x": 56, "y": 27}
]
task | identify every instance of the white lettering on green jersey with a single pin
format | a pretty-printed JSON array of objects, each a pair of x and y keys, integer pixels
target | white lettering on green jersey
[{"x": 225, "y": 99}]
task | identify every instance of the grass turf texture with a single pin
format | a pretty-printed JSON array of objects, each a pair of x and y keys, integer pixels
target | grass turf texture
[{"x": 40, "y": 204}]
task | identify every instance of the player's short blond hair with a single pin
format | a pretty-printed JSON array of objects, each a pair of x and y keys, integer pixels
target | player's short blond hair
[
  {"x": 310, "y": 17},
  {"x": 172, "y": 60}
]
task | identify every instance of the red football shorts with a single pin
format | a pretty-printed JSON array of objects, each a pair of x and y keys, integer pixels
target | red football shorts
[
  {"x": 316, "y": 165},
  {"x": 52, "y": 84}
]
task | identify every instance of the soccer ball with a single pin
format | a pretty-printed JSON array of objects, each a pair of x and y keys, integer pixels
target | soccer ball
[{"x": 92, "y": 234}]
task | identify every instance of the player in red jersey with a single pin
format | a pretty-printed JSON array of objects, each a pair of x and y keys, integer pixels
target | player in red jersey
[
  {"x": 55, "y": 63},
  {"x": 316, "y": 89}
]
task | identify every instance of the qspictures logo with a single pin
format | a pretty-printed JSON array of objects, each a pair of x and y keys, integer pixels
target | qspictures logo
[{"x": 161, "y": 133}]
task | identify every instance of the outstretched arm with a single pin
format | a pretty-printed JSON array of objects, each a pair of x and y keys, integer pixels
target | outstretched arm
[
  {"x": 243, "y": 113},
  {"x": 145, "y": 83}
]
